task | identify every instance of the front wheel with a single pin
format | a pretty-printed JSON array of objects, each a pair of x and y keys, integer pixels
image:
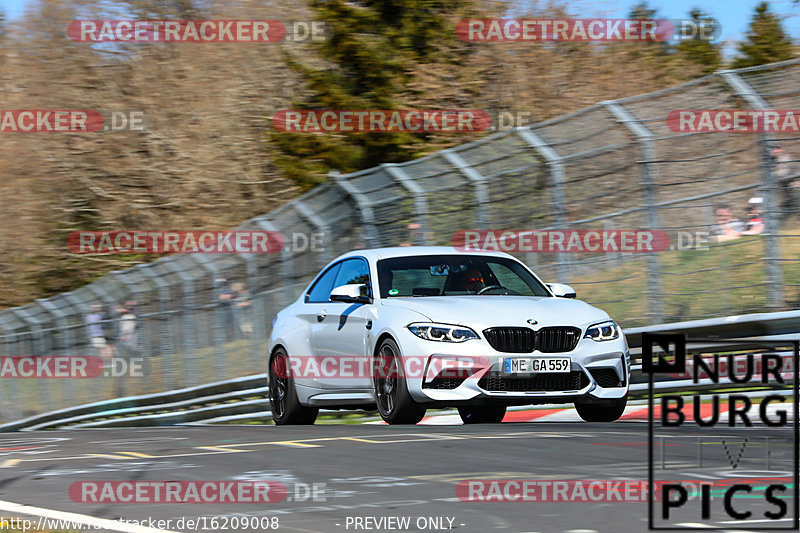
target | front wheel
[
  {"x": 484, "y": 414},
  {"x": 286, "y": 408},
  {"x": 608, "y": 411},
  {"x": 391, "y": 391}
]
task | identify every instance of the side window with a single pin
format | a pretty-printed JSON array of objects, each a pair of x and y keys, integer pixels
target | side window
[
  {"x": 353, "y": 271},
  {"x": 321, "y": 290}
]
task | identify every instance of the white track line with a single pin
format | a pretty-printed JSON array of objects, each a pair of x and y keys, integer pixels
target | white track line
[
  {"x": 90, "y": 521},
  {"x": 443, "y": 420}
]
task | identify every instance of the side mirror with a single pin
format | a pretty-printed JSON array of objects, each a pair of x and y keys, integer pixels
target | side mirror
[
  {"x": 562, "y": 291},
  {"x": 352, "y": 293}
]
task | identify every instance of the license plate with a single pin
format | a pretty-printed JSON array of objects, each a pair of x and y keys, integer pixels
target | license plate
[{"x": 527, "y": 365}]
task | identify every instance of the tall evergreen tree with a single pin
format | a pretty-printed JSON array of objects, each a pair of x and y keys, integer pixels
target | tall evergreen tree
[
  {"x": 699, "y": 49},
  {"x": 656, "y": 50},
  {"x": 766, "y": 42},
  {"x": 642, "y": 11},
  {"x": 373, "y": 45}
]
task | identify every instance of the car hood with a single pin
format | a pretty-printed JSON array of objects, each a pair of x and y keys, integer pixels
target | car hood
[{"x": 486, "y": 311}]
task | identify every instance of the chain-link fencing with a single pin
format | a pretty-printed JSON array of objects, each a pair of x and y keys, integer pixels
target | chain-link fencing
[{"x": 197, "y": 318}]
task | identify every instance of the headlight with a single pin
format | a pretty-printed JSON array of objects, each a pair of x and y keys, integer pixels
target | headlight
[
  {"x": 442, "y": 332},
  {"x": 604, "y": 331}
]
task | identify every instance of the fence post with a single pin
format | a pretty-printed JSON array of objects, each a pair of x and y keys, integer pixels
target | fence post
[
  {"x": 189, "y": 325},
  {"x": 478, "y": 182},
  {"x": 769, "y": 191},
  {"x": 371, "y": 236},
  {"x": 555, "y": 165},
  {"x": 315, "y": 220},
  {"x": 645, "y": 140},
  {"x": 143, "y": 333},
  {"x": 286, "y": 263},
  {"x": 34, "y": 330},
  {"x": 417, "y": 192},
  {"x": 61, "y": 324},
  {"x": 181, "y": 354},
  {"x": 12, "y": 401},
  {"x": 166, "y": 348},
  {"x": 37, "y": 347},
  {"x": 252, "y": 273},
  {"x": 218, "y": 317},
  {"x": 79, "y": 338},
  {"x": 5, "y": 398},
  {"x": 100, "y": 386}
]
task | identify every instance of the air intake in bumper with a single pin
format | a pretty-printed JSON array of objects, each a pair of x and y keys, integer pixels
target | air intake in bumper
[
  {"x": 606, "y": 377},
  {"x": 568, "y": 381}
]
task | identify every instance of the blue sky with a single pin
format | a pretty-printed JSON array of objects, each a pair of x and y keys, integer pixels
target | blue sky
[
  {"x": 12, "y": 8},
  {"x": 733, "y": 15}
]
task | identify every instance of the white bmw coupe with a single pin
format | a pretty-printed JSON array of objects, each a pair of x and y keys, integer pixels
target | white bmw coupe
[{"x": 411, "y": 328}]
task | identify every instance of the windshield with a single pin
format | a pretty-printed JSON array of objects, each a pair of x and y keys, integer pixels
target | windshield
[{"x": 455, "y": 275}]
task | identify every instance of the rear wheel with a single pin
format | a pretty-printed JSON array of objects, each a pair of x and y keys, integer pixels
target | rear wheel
[
  {"x": 286, "y": 409},
  {"x": 608, "y": 411},
  {"x": 483, "y": 414},
  {"x": 391, "y": 391}
]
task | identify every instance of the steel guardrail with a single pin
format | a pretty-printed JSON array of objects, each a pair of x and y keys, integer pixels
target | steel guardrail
[{"x": 244, "y": 398}]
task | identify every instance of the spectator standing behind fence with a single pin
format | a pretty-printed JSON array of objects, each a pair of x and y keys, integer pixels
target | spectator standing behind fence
[
  {"x": 225, "y": 302},
  {"x": 97, "y": 337},
  {"x": 414, "y": 235},
  {"x": 128, "y": 344},
  {"x": 755, "y": 217},
  {"x": 128, "y": 329},
  {"x": 727, "y": 227},
  {"x": 788, "y": 183},
  {"x": 242, "y": 303},
  {"x": 110, "y": 328}
]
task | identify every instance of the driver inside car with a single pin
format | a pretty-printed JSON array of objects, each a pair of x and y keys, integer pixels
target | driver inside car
[{"x": 472, "y": 280}]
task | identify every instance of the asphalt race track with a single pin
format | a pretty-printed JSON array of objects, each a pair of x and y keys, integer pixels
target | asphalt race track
[{"x": 374, "y": 471}]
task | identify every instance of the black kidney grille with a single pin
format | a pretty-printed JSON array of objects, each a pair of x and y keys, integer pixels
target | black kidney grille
[
  {"x": 511, "y": 339},
  {"x": 557, "y": 339},
  {"x": 571, "y": 381},
  {"x": 553, "y": 339}
]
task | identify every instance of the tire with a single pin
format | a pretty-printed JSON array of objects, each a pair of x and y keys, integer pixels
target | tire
[
  {"x": 483, "y": 414},
  {"x": 286, "y": 408},
  {"x": 391, "y": 391},
  {"x": 602, "y": 411}
]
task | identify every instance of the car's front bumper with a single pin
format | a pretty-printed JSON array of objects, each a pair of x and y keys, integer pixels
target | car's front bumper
[{"x": 599, "y": 371}]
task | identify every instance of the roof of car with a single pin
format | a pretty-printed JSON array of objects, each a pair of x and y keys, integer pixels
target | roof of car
[{"x": 403, "y": 251}]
